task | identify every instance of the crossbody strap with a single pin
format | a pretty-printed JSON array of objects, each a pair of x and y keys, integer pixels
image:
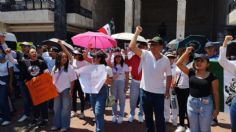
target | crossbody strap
[{"x": 177, "y": 82}]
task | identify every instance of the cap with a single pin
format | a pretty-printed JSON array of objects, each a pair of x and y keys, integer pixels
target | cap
[
  {"x": 209, "y": 44},
  {"x": 200, "y": 56},
  {"x": 25, "y": 44},
  {"x": 170, "y": 54},
  {"x": 156, "y": 39},
  {"x": 2, "y": 33}
]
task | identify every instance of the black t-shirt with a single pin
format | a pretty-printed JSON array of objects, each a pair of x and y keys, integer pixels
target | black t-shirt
[
  {"x": 30, "y": 69},
  {"x": 200, "y": 87}
]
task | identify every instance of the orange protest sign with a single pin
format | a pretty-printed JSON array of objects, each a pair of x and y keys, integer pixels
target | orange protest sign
[{"x": 41, "y": 88}]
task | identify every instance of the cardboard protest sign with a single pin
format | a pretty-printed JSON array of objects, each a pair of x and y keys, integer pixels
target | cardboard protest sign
[{"x": 41, "y": 88}]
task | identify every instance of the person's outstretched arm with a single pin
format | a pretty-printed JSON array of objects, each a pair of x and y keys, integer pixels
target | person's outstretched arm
[
  {"x": 180, "y": 63},
  {"x": 65, "y": 50},
  {"x": 132, "y": 44},
  {"x": 224, "y": 62},
  {"x": 215, "y": 91}
]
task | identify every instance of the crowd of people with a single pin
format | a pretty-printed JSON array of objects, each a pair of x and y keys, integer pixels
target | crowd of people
[{"x": 155, "y": 77}]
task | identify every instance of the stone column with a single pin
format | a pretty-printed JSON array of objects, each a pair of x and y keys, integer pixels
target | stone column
[
  {"x": 3, "y": 27},
  {"x": 128, "y": 15},
  {"x": 60, "y": 19},
  {"x": 137, "y": 13},
  {"x": 181, "y": 17}
]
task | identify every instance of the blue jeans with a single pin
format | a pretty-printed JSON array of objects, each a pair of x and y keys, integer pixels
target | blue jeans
[
  {"x": 118, "y": 90},
  {"x": 134, "y": 95},
  {"x": 98, "y": 102},
  {"x": 154, "y": 103},
  {"x": 26, "y": 98},
  {"x": 62, "y": 109},
  {"x": 233, "y": 114},
  {"x": 200, "y": 112},
  {"x": 4, "y": 104},
  {"x": 140, "y": 102}
]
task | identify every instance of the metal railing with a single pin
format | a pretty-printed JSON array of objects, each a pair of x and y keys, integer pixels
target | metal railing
[
  {"x": 21, "y": 5},
  {"x": 27, "y": 5},
  {"x": 85, "y": 12}
]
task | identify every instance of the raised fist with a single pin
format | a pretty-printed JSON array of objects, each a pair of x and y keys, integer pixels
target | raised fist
[
  {"x": 189, "y": 49},
  {"x": 139, "y": 29},
  {"x": 228, "y": 38},
  {"x": 8, "y": 51}
]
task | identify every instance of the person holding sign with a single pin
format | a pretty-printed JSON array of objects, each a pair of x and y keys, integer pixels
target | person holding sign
[
  {"x": 77, "y": 63},
  {"x": 230, "y": 67},
  {"x": 30, "y": 69},
  {"x": 99, "y": 75},
  {"x": 203, "y": 88}
]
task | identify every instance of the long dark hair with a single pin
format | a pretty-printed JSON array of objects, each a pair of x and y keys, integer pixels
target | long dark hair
[
  {"x": 102, "y": 56},
  {"x": 121, "y": 62},
  {"x": 58, "y": 62}
]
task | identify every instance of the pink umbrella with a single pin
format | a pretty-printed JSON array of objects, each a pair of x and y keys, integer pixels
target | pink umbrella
[{"x": 94, "y": 40}]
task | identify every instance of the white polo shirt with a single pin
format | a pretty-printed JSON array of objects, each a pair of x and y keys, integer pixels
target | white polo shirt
[{"x": 153, "y": 72}]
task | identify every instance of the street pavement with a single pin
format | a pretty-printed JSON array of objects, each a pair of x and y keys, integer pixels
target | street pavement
[{"x": 87, "y": 125}]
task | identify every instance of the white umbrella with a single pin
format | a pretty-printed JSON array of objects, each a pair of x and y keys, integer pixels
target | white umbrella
[
  {"x": 173, "y": 44},
  {"x": 128, "y": 37},
  {"x": 10, "y": 37}
]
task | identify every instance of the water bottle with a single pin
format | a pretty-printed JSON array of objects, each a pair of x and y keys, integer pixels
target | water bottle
[{"x": 173, "y": 100}]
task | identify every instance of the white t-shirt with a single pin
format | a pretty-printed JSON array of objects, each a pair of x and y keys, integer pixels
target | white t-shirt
[
  {"x": 4, "y": 70},
  {"x": 78, "y": 64},
  {"x": 173, "y": 72},
  {"x": 183, "y": 80},
  {"x": 62, "y": 80},
  {"x": 119, "y": 71},
  {"x": 153, "y": 72},
  {"x": 109, "y": 71}
]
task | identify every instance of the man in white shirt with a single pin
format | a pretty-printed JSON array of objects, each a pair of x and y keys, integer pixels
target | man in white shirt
[{"x": 154, "y": 66}]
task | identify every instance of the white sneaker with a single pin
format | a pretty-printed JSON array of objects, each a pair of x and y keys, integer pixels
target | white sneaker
[
  {"x": 5, "y": 123},
  {"x": 174, "y": 122},
  {"x": 53, "y": 128},
  {"x": 120, "y": 120},
  {"x": 180, "y": 129},
  {"x": 140, "y": 119},
  {"x": 23, "y": 118},
  {"x": 188, "y": 130},
  {"x": 63, "y": 130},
  {"x": 131, "y": 118},
  {"x": 114, "y": 119},
  {"x": 72, "y": 114}
]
